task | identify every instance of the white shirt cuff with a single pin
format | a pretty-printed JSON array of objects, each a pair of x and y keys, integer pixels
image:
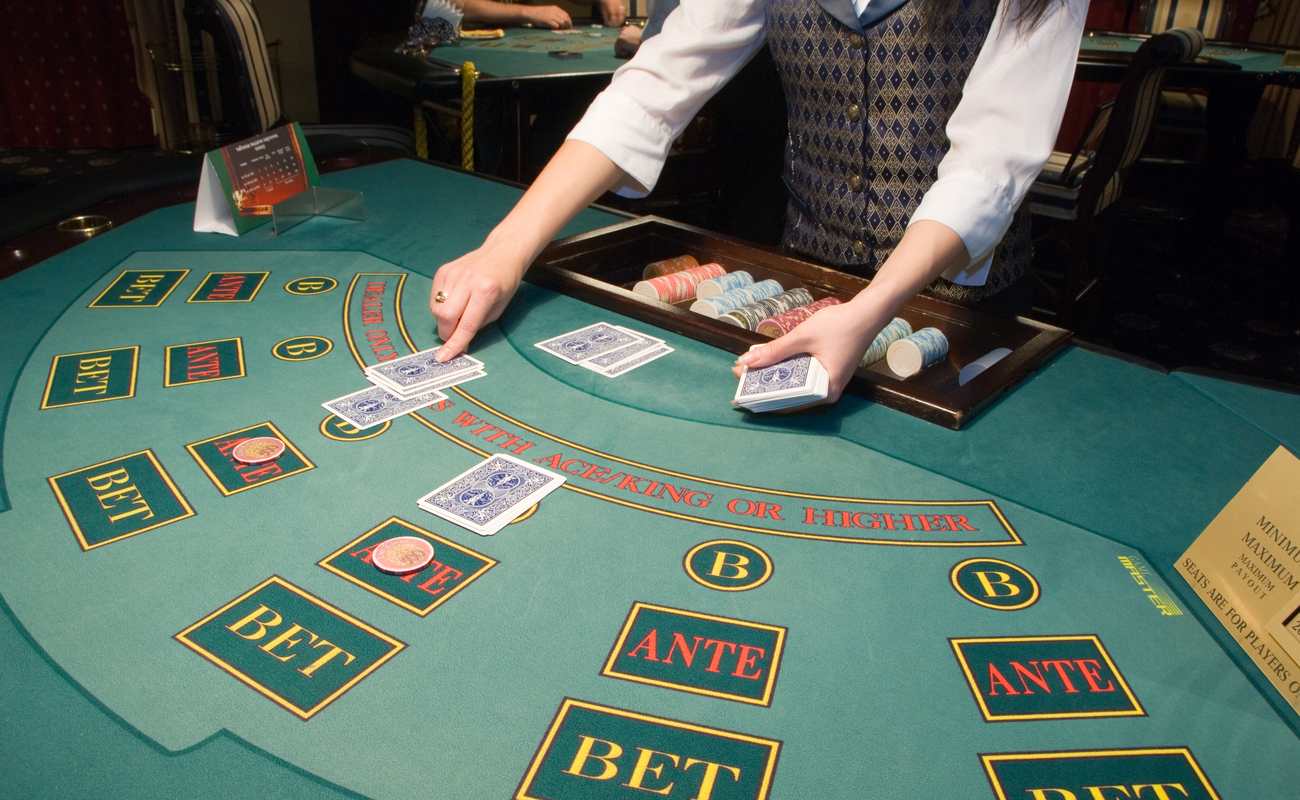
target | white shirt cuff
[
  {"x": 977, "y": 210},
  {"x": 620, "y": 129}
]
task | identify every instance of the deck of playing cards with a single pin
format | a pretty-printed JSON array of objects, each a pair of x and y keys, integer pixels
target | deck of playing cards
[
  {"x": 606, "y": 349},
  {"x": 490, "y": 495},
  {"x": 797, "y": 381},
  {"x": 421, "y": 372},
  {"x": 401, "y": 386}
]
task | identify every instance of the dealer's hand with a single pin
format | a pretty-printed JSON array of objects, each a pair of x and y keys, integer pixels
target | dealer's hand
[
  {"x": 836, "y": 336},
  {"x": 471, "y": 292}
]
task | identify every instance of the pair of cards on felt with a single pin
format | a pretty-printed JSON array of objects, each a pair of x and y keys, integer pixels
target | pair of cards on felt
[
  {"x": 489, "y": 496},
  {"x": 403, "y": 385},
  {"x": 486, "y": 497},
  {"x": 611, "y": 351},
  {"x": 606, "y": 349}
]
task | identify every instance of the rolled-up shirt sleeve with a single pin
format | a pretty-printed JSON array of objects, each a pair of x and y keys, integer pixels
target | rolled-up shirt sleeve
[
  {"x": 1004, "y": 128},
  {"x": 654, "y": 96}
]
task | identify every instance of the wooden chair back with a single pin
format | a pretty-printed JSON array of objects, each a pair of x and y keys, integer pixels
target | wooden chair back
[{"x": 1130, "y": 118}]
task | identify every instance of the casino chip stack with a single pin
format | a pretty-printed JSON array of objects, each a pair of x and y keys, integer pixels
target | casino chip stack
[
  {"x": 677, "y": 287},
  {"x": 919, "y": 351},
  {"x": 258, "y": 450},
  {"x": 783, "y": 323},
  {"x": 749, "y": 316},
  {"x": 716, "y": 306},
  {"x": 656, "y": 269},
  {"x": 723, "y": 284},
  {"x": 898, "y": 328},
  {"x": 402, "y": 555}
]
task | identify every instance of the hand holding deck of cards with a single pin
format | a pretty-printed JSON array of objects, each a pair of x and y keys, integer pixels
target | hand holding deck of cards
[
  {"x": 795, "y": 382},
  {"x": 606, "y": 349}
]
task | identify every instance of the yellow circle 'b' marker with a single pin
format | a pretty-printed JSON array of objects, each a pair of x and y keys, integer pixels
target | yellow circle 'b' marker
[
  {"x": 316, "y": 284},
  {"x": 727, "y": 565},
  {"x": 993, "y": 583},
  {"x": 302, "y": 348}
]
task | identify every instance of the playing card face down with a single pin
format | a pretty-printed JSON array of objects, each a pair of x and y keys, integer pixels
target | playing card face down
[
  {"x": 489, "y": 495},
  {"x": 638, "y": 360},
  {"x": 792, "y": 375},
  {"x": 612, "y": 358},
  {"x": 420, "y": 369},
  {"x": 586, "y": 343},
  {"x": 374, "y": 405}
]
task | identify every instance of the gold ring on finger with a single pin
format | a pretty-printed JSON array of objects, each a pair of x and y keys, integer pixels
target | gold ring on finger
[{"x": 439, "y": 297}]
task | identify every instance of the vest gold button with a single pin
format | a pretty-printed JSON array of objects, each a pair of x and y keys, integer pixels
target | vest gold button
[
  {"x": 856, "y": 41},
  {"x": 859, "y": 248},
  {"x": 854, "y": 111},
  {"x": 855, "y": 183}
]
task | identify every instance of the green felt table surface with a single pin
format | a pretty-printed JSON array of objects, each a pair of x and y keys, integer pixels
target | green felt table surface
[
  {"x": 1244, "y": 58},
  {"x": 525, "y": 52},
  {"x": 1091, "y": 459}
]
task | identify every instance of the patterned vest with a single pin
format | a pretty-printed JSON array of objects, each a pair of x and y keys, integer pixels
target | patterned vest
[{"x": 867, "y": 113}]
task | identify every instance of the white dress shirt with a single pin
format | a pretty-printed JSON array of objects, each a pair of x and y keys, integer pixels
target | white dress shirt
[{"x": 1001, "y": 132}]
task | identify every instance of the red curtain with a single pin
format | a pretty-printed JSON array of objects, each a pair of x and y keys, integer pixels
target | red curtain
[{"x": 67, "y": 77}]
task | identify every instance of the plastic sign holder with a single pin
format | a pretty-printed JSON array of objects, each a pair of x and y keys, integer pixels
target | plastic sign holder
[
  {"x": 317, "y": 201},
  {"x": 243, "y": 184}
]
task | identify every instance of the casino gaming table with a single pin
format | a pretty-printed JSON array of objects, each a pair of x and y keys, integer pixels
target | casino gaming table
[
  {"x": 1231, "y": 75},
  {"x": 525, "y": 53},
  {"x": 1103, "y": 55},
  {"x": 841, "y": 604},
  {"x": 523, "y": 70}
]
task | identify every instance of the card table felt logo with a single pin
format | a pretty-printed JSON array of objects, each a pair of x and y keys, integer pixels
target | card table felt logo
[
  {"x": 203, "y": 362},
  {"x": 139, "y": 288},
  {"x": 704, "y": 654},
  {"x": 290, "y": 646},
  {"x": 994, "y": 583},
  {"x": 454, "y": 567},
  {"x": 217, "y": 460},
  {"x": 119, "y": 498},
  {"x": 92, "y": 376},
  {"x": 1044, "y": 677},
  {"x": 229, "y": 287},
  {"x": 312, "y": 284},
  {"x": 595, "y": 751},
  {"x": 1156, "y": 773},
  {"x": 727, "y": 565},
  {"x": 302, "y": 348},
  {"x": 670, "y": 493}
]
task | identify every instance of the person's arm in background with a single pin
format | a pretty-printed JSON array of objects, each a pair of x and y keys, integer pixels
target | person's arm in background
[
  {"x": 613, "y": 12},
  {"x": 629, "y": 39},
  {"x": 490, "y": 12},
  {"x": 1001, "y": 134},
  {"x": 620, "y": 145}
]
